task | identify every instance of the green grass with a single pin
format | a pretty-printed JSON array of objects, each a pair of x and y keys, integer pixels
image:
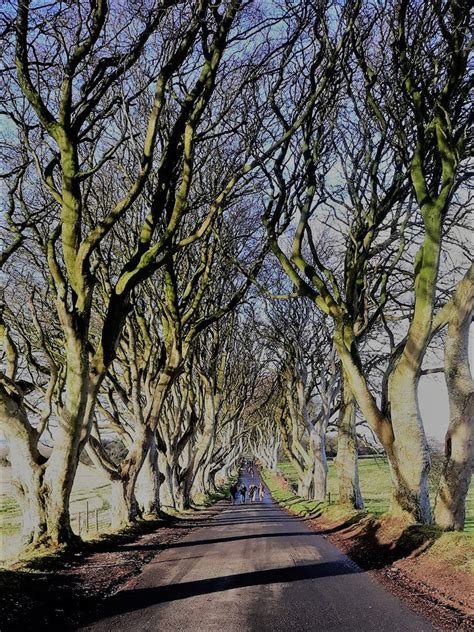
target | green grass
[
  {"x": 453, "y": 549},
  {"x": 375, "y": 486},
  {"x": 288, "y": 498},
  {"x": 90, "y": 491},
  {"x": 223, "y": 492}
]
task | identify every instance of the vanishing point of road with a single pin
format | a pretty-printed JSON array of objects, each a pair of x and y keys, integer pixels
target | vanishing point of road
[{"x": 254, "y": 568}]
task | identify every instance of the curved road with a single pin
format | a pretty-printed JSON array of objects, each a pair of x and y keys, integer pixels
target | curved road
[{"x": 254, "y": 568}]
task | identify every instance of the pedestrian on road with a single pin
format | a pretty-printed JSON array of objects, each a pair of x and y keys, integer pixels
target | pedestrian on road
[
  {"x": 252, "y": 493},
  {"x": 243, "y": 491},
  {"x": 261, "y": 492},
  {"x": 233, "y": 493}
]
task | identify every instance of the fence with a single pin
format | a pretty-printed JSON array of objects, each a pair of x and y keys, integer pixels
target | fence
[{"x": 90, "y": 520}]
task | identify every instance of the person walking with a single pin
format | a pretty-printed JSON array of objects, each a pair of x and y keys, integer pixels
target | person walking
[
  {"x": 252, "y": 493},
  {"x": 243, "y": 491},
  {"x": 233, "y": 493},
  {"x": 261, "y": 492}
]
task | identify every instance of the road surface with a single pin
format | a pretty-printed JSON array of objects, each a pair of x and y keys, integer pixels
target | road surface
[{"x": 254, "y": 568}]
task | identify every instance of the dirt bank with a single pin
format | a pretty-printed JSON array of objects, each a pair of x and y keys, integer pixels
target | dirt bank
[
  {"x": 400, "y": 556},
  {"x": 430, "y": 570}
]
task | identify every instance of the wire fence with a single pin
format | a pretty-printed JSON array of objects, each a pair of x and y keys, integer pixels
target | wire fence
[{"x": 90, "y": 520}]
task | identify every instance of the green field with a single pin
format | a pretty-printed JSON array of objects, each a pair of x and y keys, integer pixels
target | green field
[
  {"x": 375, "y": 486},
  {"x": 91, "y": 493}
]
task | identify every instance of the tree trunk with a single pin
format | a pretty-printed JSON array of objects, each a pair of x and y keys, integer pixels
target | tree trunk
[
  {"x": 148, "y": 483},
  {"x": 76, "y": 414},
  {"x": 408, "y": 456},
  {"x": 26, "y": 471},
  {"x": 130, "y": 469},
  {"x": 121, "y": 505},
  {"x": 198, "y": 486},
  {"x": 402, "y": 435},
  {"x": 33, "y": 518},
  {"x": 306, "y": 484},
  {"x": 167, "y": 500},
  {"x": 320, "y": 468},
  {"x": 450, "y": 510},
  {"x": 27, "y": 479},
  {"x": 181, "y": 498},
  {"x": 347, "y": 467},
  {"x": 204, "y": 443}
]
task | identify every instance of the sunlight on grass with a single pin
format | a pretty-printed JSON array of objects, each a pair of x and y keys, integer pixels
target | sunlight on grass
[{"x": 375, "y": 486}]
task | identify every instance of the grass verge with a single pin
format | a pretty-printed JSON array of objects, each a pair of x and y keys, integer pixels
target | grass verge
[{"x": 380, "y": 538}]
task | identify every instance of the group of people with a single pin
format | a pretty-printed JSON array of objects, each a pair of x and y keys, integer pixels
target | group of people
[
  {"x": 255, "y": 493},
  {"x": 250, "y": 465}
]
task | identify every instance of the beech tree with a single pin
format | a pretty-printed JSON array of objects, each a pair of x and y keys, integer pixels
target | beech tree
[
  {"x": 429, "y": 85},
  {"x": 158, "y": 161},
  {"x": 73, "y": 77},
  {"x": 457, "y": 314}
]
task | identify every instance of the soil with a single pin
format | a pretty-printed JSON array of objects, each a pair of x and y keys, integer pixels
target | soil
[
  {"x": 394, "y": 554},
  {"x": 60, "y": 592}
]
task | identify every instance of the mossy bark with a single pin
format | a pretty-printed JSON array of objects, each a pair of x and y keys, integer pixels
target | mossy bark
[
  {"x": 148, "y": 483},
  {"x": 62, "y": 464},
  {"x": 347, "y": 466},
  {"x": 450, "y": 509}
]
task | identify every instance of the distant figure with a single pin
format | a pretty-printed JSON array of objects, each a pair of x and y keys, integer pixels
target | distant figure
[
  {"x": 251, "y": 493},
  {"x": 261, "y": 492},
  {"x": 243, "y": 491},
  {"x": 233, "y": 493}
]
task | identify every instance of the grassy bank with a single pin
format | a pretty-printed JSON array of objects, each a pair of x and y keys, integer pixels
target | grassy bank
[
  {"x": 375, "y": 486},
  {"x": 397, "y": 538},
  {"x": 90, "y": 504}
]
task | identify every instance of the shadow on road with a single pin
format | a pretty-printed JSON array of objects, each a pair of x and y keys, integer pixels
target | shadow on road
[
  {"x": 137, "y": 599},
  {"x": 254, "y": 536}
]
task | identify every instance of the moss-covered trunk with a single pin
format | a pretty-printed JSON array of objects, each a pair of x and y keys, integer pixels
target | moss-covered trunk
[
  {"x": 320, "y": 466},
  {"x": 347, "y": 466},
  {"x": 148, "y": 483},
  {"x": 409, "y": 457},
  {"x": 79, "y": 399},
  {"x": 450, "y": 510}
]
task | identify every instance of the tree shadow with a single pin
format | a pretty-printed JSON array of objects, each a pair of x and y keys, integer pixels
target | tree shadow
[
  {"x": 210, "y": 541},
  {"x": 42, "y": 601},
  {"x": 136, "y": 599},
  {"x": 348, "y": 522},
  {"x": 372, "y": 547},
  {"x": 53, "y": 591}
]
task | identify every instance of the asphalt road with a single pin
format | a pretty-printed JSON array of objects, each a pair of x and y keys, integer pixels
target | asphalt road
[{"x": 255, "y": 568}]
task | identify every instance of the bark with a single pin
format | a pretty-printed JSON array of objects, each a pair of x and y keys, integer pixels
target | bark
[
  {"x": 148, "y": 483},
  {"x": 408, "y": 456},
  {"x": 167, "y": 496},
  {"x": 138, "y": 454},
  {"x": 289, "y": 441},
  {"x": 268, "y": 452},
  {"x": 401, "y": 434},
  {"x": 130, "y": 470},
  {"x": 122, "y": 503},
  {"x": 26, "y": 470},
  {"x": 205, "y": 442},
  {"x": 80, "y": 394},
  {"x": 320, "y": 468},
  {"x": 347, "y": 467},
  {"x": 450, "y": 509}
]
